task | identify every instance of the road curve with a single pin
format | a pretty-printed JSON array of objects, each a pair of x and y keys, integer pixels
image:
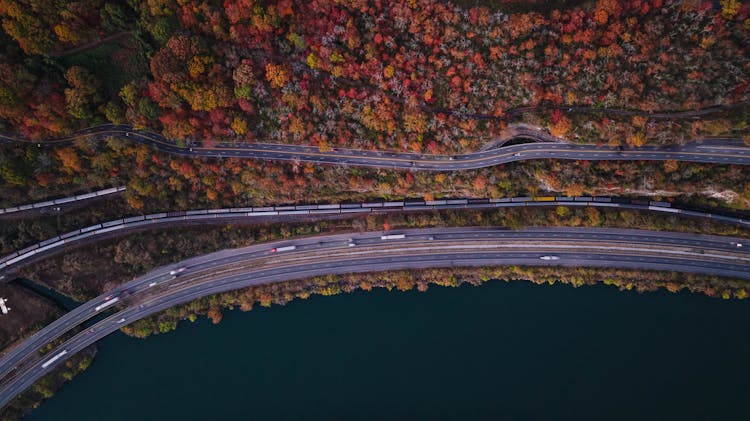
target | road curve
[
  {"x": 125, "y": 226},
  {"x": 720, "y": 151},
  {"x": 368, "y": 252}
]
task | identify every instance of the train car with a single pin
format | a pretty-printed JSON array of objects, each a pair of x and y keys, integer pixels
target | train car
[
  {"x": 564, "y": 198},
  {"x": 85, "y": 196},
  {"x": 133, "y": 219},
  {"x": 478, "y": 201},
  {"x": 42, "y": 204},
  {"x": 393, "y": 204},
  {"x": 660, "y": 204},
  {"x": 538, "y": 204},
  {"x": 112, "y": 223},
  {"x": 283, "y": 208},
  {"x": 91, "y": 228},
  {"x": 196, "y": 212},
  {"x": 350, "y": 205},
  {"x": 413, "y": 202},
  {"x": 81, "y": 236},
  {"x": 262, "y": 213},
  {"x": 324, "y": 211},
  {"x": 521, "y": 199},
  {"x": 16, "y": 259},
  {"x": 306, "y": 207},
  {"x": 263, "y": 209},
  {"x": 207, "y": 216},
  {"x": 217, "y": 211},
  {"x": 639, "y": 202},
  {"x": 335, "y": 206},
  {"x": 544, "y": 199},
  {"x": 10, "y": 256},
  {"x": 603, "y": 199},
  {"x": 457, "y": 202},
  {"x": 177, "y": 213},
  {"x": 295, "y": 212},
  {"x": 47, "y": 247},
  {"x": 109, "y": 229},
  {"x": 372, "y": 205},
  {"x": 501, "y": 200},
  {"x": 70, "y": 234},
  {"x": 356, "y": 210},
  {"x": 106, "y": 191},
  {"x": 156, "y": 215},
  {"x": 64, "y": 200},
  {"x": 28, "y": 249},
  {"x": 582, "y": 199},
  {"x": 50, "y": 241},
  {"x": 435, "y": 202}
]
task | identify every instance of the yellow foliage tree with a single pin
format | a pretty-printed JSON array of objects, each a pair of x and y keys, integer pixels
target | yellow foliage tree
[
  {"x": 277, "y": 75},
  {"x": 64, "y": 34},
  {"x": 239, "y": 125},
  {"x": 637, "y": 139},
  {"x": 729, "y": 8},
  {"x": 313, "y": 61},
  {"x": 561, "y": 128},
  {"x": 69, "y": 159},
  {"x": 574, "y": 189},
  {"x": 389, "y": 71}
]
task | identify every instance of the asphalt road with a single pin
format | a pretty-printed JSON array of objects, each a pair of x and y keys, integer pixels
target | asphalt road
[
  {"x": 720, "y": 150},
  {"x": 331, "y": 254}
]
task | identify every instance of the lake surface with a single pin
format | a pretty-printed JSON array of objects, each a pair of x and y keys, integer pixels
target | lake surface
[{"x": 499, "y": 351}]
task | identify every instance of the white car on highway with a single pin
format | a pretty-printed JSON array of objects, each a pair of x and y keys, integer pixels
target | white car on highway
[
  {"x": 550, "y": 258},
  {"x": 176, "y": 271}
]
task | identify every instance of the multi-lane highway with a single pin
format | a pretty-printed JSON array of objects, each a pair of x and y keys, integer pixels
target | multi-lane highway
[
  {"x": 125, "y": 226},
  {"x": 369, "y": 252},
  {"x": 722, "y": 151}
]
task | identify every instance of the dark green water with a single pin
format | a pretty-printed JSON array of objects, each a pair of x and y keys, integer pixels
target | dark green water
[{"x": 500, "y": 351}]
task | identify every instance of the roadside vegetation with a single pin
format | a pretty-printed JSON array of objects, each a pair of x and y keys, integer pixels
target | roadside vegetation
[{"x": 285, "y": 292}]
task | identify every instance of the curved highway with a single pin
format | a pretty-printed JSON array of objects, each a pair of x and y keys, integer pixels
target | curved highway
[
  {"x": 369, "y": 252},
  {"x": 720, "y": 150},
  {"x": 125, "y": 226}
]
